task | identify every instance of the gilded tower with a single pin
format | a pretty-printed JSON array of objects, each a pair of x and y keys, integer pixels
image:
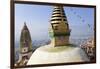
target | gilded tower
[
  {"x": 25, "y": 46},
  {"x": 59, "y": 30}
]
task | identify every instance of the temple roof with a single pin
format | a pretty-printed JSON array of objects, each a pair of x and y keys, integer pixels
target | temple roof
[
  {"x": 25, "y": 26},
  {"x": 25, "y": 38}
]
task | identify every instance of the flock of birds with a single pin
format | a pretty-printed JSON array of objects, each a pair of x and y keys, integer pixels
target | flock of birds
[{"x": 80, "y": 17}]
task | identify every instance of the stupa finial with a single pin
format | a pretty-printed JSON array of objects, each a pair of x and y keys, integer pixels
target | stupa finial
[
  {"x": 24, "y": 23},
  {"x": 59, "y": 30}
]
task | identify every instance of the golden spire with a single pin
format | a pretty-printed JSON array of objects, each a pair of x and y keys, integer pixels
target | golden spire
[{"x": 59, "y": 30}]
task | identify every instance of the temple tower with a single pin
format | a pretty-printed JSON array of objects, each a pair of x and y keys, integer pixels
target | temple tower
[
  {"x": 25, "y": 46},
  {"x": 59, "y": 30}
]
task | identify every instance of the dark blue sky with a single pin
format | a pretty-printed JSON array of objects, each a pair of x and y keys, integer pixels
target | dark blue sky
[{"x": 37, "y": 18}]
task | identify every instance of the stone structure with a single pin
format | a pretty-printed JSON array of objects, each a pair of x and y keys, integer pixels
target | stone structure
[{"x": 25, "y": 46}]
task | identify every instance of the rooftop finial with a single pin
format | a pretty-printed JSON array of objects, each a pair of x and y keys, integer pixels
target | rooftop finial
[{"x": 25, "y": 23}]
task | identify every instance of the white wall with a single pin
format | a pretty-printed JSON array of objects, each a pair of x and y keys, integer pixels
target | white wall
[{"x": 5, "y": 34}]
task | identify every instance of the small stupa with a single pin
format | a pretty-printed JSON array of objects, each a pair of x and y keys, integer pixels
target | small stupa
[{"x": 59, "y": 50}]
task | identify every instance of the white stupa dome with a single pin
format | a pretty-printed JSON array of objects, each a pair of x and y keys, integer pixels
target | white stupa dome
[{"x": 62, "y": 54}]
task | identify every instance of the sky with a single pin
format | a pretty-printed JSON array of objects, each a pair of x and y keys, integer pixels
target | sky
[{"x": 37, "y": 18}]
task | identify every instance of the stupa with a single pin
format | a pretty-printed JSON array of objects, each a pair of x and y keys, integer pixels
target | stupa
[{"x": 59, "y": 50}]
